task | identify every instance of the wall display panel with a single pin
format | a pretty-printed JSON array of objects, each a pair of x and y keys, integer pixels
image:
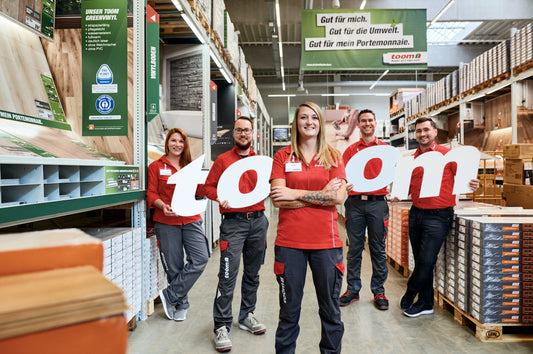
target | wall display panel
[{"x": 37, "y": 15}]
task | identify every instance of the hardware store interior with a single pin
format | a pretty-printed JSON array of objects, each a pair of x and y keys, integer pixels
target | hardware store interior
[{"x": 93, "y": 88}]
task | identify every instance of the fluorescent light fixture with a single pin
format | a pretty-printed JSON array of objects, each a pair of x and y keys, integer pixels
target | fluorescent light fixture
[
  {"x": 178, "y": 5},
  {"x": 287, "y": 95},
  {"x": 334, "y": 94},
  {"x": 335, "y": 4},
  {"x": 441, "y": 12},
  {"x": 382, "y": 94},
  {"x": 280, "y": 50},
  {"x": 219, "y": 65},
  {"x": 475, "y": 98},
  {"x": 496, "y": 89},
  {"x": 278, "y": 19},
  {"x": 283, "y": 85},
  {"x": 192, "y": 26},
  {"x": 381, "y": 77},
  {"x": 363, "y": 3},
  {"x": 280, "y": 44}
]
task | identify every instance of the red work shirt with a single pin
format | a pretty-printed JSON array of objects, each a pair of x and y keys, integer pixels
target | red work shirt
[
  {"x": 158, "y": 173},
  {"x": 445, "y": 199},
  {"x": 372, "y": 168},
  {"x": 310, "y": 227},
  {"x": 247, "y": 182}
]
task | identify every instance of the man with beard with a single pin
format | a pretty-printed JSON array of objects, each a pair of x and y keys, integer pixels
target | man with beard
[{"x": 242, "y": 231}]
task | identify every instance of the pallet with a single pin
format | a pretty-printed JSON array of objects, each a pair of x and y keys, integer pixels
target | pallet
[
  {"x": 150, "y": 305},
  {"x": 403, "y": 270},
  {"x": 132, "y": 324},
  {"x": 523, "y": 67},
  {"x": 496, "y": 332}
]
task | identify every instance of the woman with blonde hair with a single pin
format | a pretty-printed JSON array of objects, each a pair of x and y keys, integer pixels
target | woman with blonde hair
[
  {"x": 175, "y": 233},
  {"x": 307, "y": 181}
]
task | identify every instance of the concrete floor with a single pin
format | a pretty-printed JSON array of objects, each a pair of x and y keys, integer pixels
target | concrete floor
[{"x": 367, "y": 330}]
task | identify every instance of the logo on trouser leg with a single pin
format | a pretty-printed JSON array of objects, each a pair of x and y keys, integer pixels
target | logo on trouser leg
[
  {"x": 226, "y": 267},
  {"x": 283, "y": 292}
]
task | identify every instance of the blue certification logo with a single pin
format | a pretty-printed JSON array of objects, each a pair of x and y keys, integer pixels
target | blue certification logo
[
  {"x": 105, "y": 104},
  {"x": 104, "y": 75}
]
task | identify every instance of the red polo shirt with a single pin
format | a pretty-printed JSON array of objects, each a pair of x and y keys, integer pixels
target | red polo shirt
[
  {"x": 372, "y": 168},
  {"x": 158, "y": 173},
  {"x": 247, "y": 182},
  {"x": 445, "y": 198},
  {"x": 310, "y": 227}
]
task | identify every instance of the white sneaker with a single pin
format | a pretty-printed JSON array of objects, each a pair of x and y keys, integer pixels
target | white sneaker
[
  {"x": 222, "y": 341},
  {"x": 180, "y": 315},
  {"x": 252, "y": 325}
]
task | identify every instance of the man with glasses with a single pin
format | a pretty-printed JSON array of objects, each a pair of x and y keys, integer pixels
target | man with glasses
[{"x": 242, "y": 231}]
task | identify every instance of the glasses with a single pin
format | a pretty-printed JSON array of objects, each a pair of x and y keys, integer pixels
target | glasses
[{"x": 246, "y": 131}]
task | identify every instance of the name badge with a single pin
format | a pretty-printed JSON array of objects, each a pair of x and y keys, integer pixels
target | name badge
[
  {"x": 165, "y": 172},
  {"x": 293, "y": 167}
]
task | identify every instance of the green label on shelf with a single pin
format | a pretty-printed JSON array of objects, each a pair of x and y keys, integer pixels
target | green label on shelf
[
  {"x": 34, "y": 120},
  {"x": 346, "y": 39},
  {"x": 152, "y": 63},
  {"x": 53, "y": 98},
  {"x": 20, "y": 147},
  {"x": 104, "y": 40},
  {"x": 121, "y": 179}
]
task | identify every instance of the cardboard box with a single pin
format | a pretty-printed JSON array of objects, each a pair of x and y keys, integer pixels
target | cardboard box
[
  {"x": 518, "y": 151},
  {"x": 518, "y": 195},
  {"x": 514, "y": 171}
]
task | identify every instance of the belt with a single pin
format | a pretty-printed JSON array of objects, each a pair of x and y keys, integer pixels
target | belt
[
  {"x": 367, "y": 197},
  {"x": 244, "y": 216}
]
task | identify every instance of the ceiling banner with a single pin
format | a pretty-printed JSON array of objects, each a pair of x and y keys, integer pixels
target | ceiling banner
[{"x": 345, "y": 39}]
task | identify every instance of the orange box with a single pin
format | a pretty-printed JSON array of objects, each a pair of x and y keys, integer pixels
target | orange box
[
  {"x": 104, "y": 336},
  {"x": 45, "y": 250}
]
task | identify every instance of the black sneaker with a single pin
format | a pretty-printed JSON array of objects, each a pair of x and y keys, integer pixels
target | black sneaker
[
  {"x": 407, "y": 301},
  {"x": 381, "y": 302},
  {"x": 418, "y": 310},
  {"x": 347, "y": 298}
]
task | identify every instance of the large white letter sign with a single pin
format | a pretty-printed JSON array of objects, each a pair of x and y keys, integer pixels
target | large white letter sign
[
  {"x": 228, "y": 185},
  {"x": 355, "y": 168},
  {"x": 186, "y": 181},
  {"x": 433, "y": 162}
]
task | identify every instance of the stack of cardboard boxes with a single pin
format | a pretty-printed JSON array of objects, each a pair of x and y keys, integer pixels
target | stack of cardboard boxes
[{"x": 518, "y": 188}]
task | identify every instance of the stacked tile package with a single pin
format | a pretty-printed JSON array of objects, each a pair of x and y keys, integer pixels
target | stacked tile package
[
  {"x": 218, "y": 18},
  {"x": 231, "y": 41},
  {"x": 488, "y": 264},
  {"x": 398, "y": 233},
  {"x": 522, "y": 46}
]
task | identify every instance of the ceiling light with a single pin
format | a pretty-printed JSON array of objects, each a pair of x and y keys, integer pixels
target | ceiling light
[
  {"x": 177, "y": 5},
  {"x": 441, "y": 12},
  {"x": 363, "y": 3},
  {"x": 382, "y": 94},
  {"x": 375, "y": 83},
  {"x": 288, "y": 95},
  {"x": 335, "y": 4},
  {"x": 300, "y": 87},
  {"x": 334, "y": 94},
  {"x": 192, "y": 26}
]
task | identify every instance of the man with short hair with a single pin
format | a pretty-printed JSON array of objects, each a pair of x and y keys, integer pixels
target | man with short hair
[
  {"x": 242, "y": 231},
  {"x": 366, "y": 211},
  {"x": 430, "y": 220}
]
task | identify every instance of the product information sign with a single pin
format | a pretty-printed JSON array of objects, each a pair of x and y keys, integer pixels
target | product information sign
[
  {"x": 104, "y": 67},
  {"x": 152, "y": 63},
  {"x": 121, "y": 179},
  {"x": 345, "y": 39}
]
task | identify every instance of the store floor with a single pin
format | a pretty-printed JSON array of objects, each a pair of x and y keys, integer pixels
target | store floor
[{"x": 367, "y": 330}]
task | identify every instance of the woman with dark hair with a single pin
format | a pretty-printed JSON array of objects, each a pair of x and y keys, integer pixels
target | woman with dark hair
[
  {"x": 175, "y": 233},
  {"x": 307, "y": 181}
]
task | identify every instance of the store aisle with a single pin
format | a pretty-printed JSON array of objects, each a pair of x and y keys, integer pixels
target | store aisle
[{"x": 367, "y": 330}]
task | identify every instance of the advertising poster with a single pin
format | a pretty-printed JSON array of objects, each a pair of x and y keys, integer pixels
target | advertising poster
[
  {"x": 345, "y": 39},
  {"x": 152, "y": 63},
  {"x": 104, "y": 67},
  {"x": 121, "y": 179}
]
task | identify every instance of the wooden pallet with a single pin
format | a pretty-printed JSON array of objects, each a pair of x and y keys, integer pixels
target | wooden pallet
[
  {"x": 403, "y": 270},
  {"x": 496, "y": 332},
  {"x": 132, "y": 324},
  {"x": 523, "y": 67},
  {"x": 150, "y": 305}
]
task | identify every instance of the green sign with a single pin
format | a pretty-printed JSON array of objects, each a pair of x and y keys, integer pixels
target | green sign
[
  {"x": 121, "y": 179},
  {"x": 104, "y": 67},
  {"x": 47, "y": 18},
  {"x": 53, "y": 98},
  {"x": 345, "y": 39},
  {"x": 152, "y": 63},
  {"x": 34, "y": 120}
]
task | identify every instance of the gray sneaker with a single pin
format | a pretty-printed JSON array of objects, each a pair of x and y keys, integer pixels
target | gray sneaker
[
  {"x": 252, "y": 325},
  {"x": 169, "y": 309},
  {"x": 222, "y": 341},
  {"x": 180, "y": 315}
]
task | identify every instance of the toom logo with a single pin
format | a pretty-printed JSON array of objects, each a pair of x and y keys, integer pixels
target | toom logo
[{"x": 405, "y": 58}]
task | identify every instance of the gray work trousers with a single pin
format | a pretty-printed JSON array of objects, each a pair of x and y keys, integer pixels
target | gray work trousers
[
  {"x": 181, "y": 276},
  {"x": 246, "y": 237}
]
